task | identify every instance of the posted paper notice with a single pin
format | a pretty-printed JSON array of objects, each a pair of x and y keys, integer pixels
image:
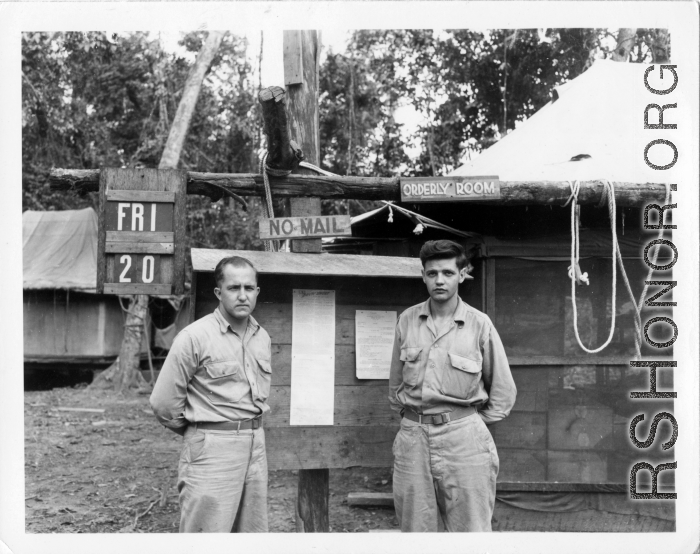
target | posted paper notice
[
  {"x": 313, "y": 357},
  {"x": 374, "y": 341}
]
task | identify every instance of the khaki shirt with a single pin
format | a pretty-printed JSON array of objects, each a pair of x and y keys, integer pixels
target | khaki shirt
[
  {"x": 211, "y": 374},
  {"x": 464, "y": 365}
]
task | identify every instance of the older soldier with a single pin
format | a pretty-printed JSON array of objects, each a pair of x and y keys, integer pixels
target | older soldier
[
  {"x": 213, "y": 390},
  {"x": 449, "y": 377}
]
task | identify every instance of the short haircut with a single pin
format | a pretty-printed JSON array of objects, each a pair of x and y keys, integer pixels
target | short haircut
[
  {"x": 235, "y": 261},
  {"x": 443, "y": 250}
]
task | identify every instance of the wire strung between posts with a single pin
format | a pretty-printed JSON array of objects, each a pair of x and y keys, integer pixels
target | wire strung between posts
[{"x": 575, "y": 258}]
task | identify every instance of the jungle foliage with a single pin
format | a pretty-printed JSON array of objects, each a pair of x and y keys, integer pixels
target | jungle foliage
[{"x": 96, "y": 99}]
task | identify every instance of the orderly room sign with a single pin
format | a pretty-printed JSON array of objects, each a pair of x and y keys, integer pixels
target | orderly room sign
[
  {"x": 449, "y": 189},
  {"x": 141, "y": 231}
]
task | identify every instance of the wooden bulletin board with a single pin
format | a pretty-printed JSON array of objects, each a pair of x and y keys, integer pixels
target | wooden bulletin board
[
  {"x": 141, "y": 235},
  {"x": 364, "y": 426}
]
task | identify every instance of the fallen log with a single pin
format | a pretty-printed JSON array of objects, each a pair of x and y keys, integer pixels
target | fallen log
[{"x": 513, "y": 193}]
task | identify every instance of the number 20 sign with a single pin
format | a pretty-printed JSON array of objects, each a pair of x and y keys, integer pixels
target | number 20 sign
[{"x": 141, "y": 230}]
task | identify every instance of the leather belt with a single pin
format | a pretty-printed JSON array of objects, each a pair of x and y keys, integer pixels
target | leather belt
[
  {"x": 439, "y": 419},
  {"x": 231, "y": 425}
]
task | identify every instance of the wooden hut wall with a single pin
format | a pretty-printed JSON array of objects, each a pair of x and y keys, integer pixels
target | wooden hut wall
[
  {"x": 572, "y": 416},
  {"x": 570, "y": 423},
  {"x": 70, "y": 326}
]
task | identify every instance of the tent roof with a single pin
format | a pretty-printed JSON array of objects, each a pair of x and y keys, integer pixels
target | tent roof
[
  {"x": 598, "y": 114},
  {"x": 60, "y": 249}
]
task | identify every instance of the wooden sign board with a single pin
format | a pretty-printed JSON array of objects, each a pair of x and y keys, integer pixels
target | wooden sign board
[
  {"x": 141, "y": 247},
  {"x": 449, "y": 189},
  {"x": 310, "y": 227}
]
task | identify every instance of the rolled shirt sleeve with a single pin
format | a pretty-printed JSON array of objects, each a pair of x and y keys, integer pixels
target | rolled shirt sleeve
[
  {"x": 169, "y": 394},
  {"x": 497, "y": 377}
]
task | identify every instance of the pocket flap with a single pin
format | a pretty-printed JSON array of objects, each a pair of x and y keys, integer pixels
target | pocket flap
[
  {"x": 465, "y": 364},
  {"x": 410, "y": 354},
  {"x": 217, "y": 370},
  {"x": 265, "y": 365}
]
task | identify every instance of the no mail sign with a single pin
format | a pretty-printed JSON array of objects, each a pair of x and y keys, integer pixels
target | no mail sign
[
  {"x": 281, "y": 228},
  {"x": 449, "y": 189},
  {"x": 141, "y": 231}
]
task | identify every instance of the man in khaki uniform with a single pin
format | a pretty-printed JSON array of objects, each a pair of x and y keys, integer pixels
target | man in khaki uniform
[
  {"x": 449, "y": 378},
  {"x": 213, "y": 390}
]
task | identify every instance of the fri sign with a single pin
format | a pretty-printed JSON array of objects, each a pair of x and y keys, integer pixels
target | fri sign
[{"x": 142, "y": 231}]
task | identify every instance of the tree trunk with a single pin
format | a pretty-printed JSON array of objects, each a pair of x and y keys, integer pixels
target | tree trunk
[
  {"x": 625, "y": 42},
  {"x": 183, "y": 116},
  {"x": 124, "y": 373}
]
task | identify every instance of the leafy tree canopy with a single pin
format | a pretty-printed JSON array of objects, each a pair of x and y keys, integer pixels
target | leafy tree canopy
[{"x": 92, "y": 100}]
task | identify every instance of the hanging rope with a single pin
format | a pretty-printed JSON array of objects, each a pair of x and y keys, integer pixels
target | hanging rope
[
  {"x": 270, "y": 245},
  {"x": 577, "y": 277},
  {"x": 640, "y": 304},
  {"x": 574, "y": 268}
]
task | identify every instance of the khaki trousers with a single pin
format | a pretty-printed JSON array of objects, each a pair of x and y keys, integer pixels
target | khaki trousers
[
  {"x": 445, "y": 471},
  {"x": 222, "y": 480}
]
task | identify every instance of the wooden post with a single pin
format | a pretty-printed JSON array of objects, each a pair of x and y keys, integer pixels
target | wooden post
[
  {"x": 302, "y": 48},
  {"x": 312, "y": 501},
  {"x": 513, "y": 193}
]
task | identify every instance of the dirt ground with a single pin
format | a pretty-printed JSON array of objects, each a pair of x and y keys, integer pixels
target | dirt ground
[{"x": 88, "y": 472}]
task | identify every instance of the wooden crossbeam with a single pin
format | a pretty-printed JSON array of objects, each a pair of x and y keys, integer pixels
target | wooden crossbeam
[{"x": 513, "y": 193}]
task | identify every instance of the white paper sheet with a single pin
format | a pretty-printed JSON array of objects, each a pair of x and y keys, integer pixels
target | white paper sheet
[
  {"x": 313, "y": 357},
  {"x": 374, "y": 340}
]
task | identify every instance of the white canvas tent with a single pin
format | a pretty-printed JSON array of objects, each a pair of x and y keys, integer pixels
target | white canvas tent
[
  {"x": 60, "y": 249},
  {"x": 599, "y": 114}
]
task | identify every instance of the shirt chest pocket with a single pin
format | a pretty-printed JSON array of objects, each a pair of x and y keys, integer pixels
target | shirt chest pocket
[
  {"x": 461, "y": 376},
  {"x": 264, "y": 379},
  {"x": 227, "y": 382},
  {"x": 410, "y": 356}
]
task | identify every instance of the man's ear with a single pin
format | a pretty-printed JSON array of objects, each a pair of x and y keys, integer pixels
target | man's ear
[
  {"x": 462, "y": 274},
  {"x": 217, "y": 293}
]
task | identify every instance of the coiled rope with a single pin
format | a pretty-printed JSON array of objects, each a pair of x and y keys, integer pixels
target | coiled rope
[
  {"x": 575, "y": 259},
  {"x": 575, "y": 273}
]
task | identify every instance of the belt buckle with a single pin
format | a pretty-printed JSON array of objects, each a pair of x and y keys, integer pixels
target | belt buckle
[{"x": 445, "y": 417}]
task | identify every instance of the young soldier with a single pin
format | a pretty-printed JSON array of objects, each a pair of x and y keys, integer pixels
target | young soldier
[
  {"x": 213, "y": 390},
  {"x": 449, "y": 377}
]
